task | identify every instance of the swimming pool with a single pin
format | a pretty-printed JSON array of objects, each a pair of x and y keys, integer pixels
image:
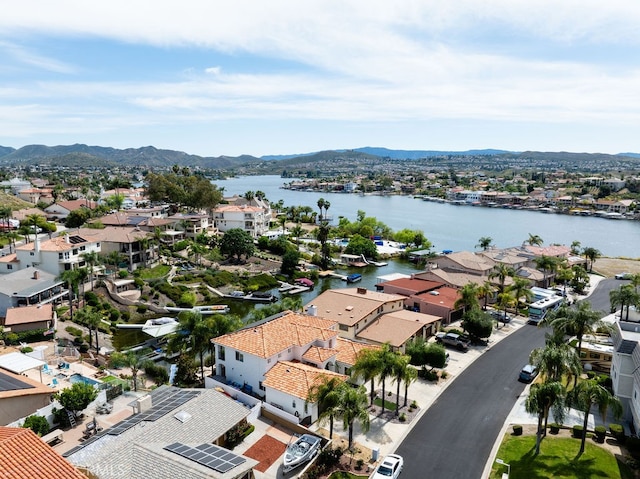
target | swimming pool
[{"x": 79, "y": 378}]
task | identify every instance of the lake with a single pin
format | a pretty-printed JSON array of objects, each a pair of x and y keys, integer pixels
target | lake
[{"x": 457, "y": 227}]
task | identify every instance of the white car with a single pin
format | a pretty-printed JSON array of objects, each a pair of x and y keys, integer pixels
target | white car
[{"x": 390, "y": 467}]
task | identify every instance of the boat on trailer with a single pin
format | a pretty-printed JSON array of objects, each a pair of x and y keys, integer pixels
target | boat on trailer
[{"x": 301, "y": 451}]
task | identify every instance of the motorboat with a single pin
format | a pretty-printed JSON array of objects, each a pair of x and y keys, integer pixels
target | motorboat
[
  {"x": 354, "y": 278},
  {"x": 302, "y": 450}
]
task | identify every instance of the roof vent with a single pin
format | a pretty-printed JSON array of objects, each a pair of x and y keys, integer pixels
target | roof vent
[
  {"x": 434, "y": 293},
  {"x": 182, "y": 416}
]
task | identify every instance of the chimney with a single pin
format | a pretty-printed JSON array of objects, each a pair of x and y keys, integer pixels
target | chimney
[
  {"x": 312, "y": 310},
  {"x": 36, "y": 274},
  {"x": 144, "y": 403},
  {"x": 362, "y": 290},
  {"x": 36, "y": 244}
]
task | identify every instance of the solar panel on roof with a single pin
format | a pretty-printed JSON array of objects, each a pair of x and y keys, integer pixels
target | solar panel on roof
[
  {"x": 9, "y": 383},
  {"x": 208, "y": 455},
  {"x": 76, "y": 239}
]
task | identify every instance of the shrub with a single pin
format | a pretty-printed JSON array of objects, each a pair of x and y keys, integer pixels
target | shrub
[
  {"x": 600, "y": 433},
  {"x": 617, "y": 431},
  {"x": 554, "y": 428},
  {"x": 359, "y": 464},
  {"x": 403, "y": 417},
  {"x": 123, "y": 273},
  {"x": 83, "y": 348},
  {"x": 37, "y": 424},
  {"x": 517, "y": 430},
  {"x": 26, "y": 349},
  {"x": 141, "y": 308},
  {"x": 114, "y": 315},
  {"x": 577, "y": 431},
  {"x": 156, "y": 372}
]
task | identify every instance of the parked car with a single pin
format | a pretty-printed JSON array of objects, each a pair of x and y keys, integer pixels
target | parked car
[
  {"x": 528, "y": 373},
  {"x": 454, "y": 340},
  {"x": 390, "y": 467},
  {"x": 500, "y": 316},
  {"x": 623, "y": 276}
]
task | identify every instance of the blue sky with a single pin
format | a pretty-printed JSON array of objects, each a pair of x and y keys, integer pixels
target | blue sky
[{"x": 279, "y": 77}]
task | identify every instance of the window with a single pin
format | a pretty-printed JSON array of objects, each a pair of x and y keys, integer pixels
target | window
[
  {"x": 344, "y": 327},
  {"x": 75, "y": 251},
  {"x": 32, "y": 253},
  {"x": 82, "y": 248},
  {"x": 260, "y": 386},
  {"x": 221, "y": 352},
  {"x": 269, "y": 361},
  {"x": 9, "y": 266},
  {"x": 347, "y": 371},
  {"x": 59, "y": 255},
  {"x": 239, "y": 356}
]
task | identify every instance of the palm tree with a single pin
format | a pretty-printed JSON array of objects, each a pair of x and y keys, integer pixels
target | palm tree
[
  {"x": 326, "y": 209},
  {"x": 542, "y": 397},
  {"x": 367, "y": 367},
  {"x": 534, "y": 240},
  {"x": 548, "y": 265},
  {"x": 195, "y": 336},
  {"x": 520, "y": 288},
  {"x": 352, "y": 407},
  {"x": 135, "y": 361},
  {"x": 400, "y": 367},
  {"x": 575, "y": 247},
  {"x": 320, "y": 207},
  {"x": 92, "y": 319},
  {"x": 591, "y": 254},
  {"x": 410, "y": 375},
  {"x": 555, "y": 361},
  {"x": 485, "y": 290},
  {"x": 505, "y": 301},
  {"x": 564, "y": 275},
  {"x": 468, "y": 297},
  {"x": 91, "y": 258},
  {"x": 70, "y": 277},
  {"x": 578, "y": 321},
  {"x": 326, "y": 392},
  {"x": 297, "y": 231},
  {"x": 625, "y": 296},
  {"x": 587, "y": 393},
  {"x": 501, "y": 271},
  {"x": 484, "y": 243},
  {"x": 387, "y": 359}
]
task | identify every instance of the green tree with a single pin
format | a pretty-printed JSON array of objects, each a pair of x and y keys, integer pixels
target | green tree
[
  {"x": 326, "y": 392},
  {"x": 485, "y": 290},
  {"x": 76, "y": 218},
  {"x": 72, "y": 280},
  {"x": 534, "y": 240},
  {"x": 387, "y": 359},
  {"x": 320, "y": 207},
  {"x": 468, "y": 297},
  {"x": 37, "y": 424},
  {"x": 521, "y": 289},
  {"x": 555, "y": 361},
  {"x": 484, "y": 243},
  {"x": 564, "y": 275},
  {"x": 548, "y": 265},
  {"x": 501, "y": 272},
  {"x": 77, "y": 397},
  {"x": 297, "y": 232},
  {"x": 591, "y": 255},
  {"x": 92, "y": 318},
  {"x": 290, "y": 262},
  {"x": 367, "y": 367},
  {"x": 135, "y": 361},
  {"x": 505, "y": 301},
  {"x": 580, "y": 279},
  {"x": 477, "y": 323},
  {"x": 92, "y": 259},
  {"x": 362, "y": 246},
  {"x": 400, "y": 368},
  {"x": 237, "y": 242},
  {"x": 542, "y": 397},
  {"x": 352, "y": 407},
  {"x": 584, "y": 396},
  {"x": 625, "y": 297}
]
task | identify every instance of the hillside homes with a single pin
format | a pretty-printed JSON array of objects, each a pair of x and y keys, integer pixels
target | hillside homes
[{"x": 251, "y": 218}]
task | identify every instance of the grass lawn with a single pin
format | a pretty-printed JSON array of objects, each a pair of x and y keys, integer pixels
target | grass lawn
[
  {"x": 387, "y": 404},
  {"x": 556, "y": 459},
  {"x": 158, "y": 271},
  {"x": 344, "y": 475}
]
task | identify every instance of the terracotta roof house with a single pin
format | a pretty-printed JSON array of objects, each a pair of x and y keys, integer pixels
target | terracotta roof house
[
  {"x": 354, "y": 308},
  {"x": 128, "y": 242},
  {"x": 24, "y": 455},
  {"x": 247, "y": 357},
  {"x": 438, "y": 303},
  {"x": 398, "y": 327},
  {"x": 448, "y": 278},
  {"x": 408, "y": 286},
  {"x": 464, "y": 262},
  {"x": 29, "y": 318},
  {"x": 21, "y": 396},
  {"x": 177, "y": 433},
  {"x": 252, "y": 219},
  {"x": 61, "y": 209},
  {"x": 9, "y": 263}
]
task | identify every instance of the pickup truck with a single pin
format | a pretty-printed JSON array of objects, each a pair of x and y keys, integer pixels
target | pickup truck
[{"x": 454, "y": 340}]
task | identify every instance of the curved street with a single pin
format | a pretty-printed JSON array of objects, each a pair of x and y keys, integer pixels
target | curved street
[{"x": 455, "y": 436}]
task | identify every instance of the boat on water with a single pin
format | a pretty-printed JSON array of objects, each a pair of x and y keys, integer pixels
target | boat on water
[
  {"x": 302, "y": 450},
  {"x": 354, "y": 278}
]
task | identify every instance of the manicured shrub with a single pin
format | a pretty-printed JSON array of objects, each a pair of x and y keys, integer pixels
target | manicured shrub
[
  {"x": 403, "y": 417},
  {"x": 554, "y": 428},
  {"x": 517, "y": 430},
  {"x": 617, "y": 431},
  {"x": 577, "y": 431},
  {"x": 600, "y": 433}
]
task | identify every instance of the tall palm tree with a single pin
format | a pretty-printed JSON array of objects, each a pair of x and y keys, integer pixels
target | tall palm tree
[
  {"x": 70, "y": 277},
  {"x": 564, "y": 275},
  {"x": 484, "y": 243},
  {"x": 520, "y": 288},
  {"x": 400, "y": 366},
  {"x": 501, "y": 272},
  {"x": 135, "y": 361},
  {"x": 575, "y": 247},
  {"x": 195, "y": 336},
  {"x": 485, "y": 290},
  {"x": 591, "y": 254},
  {"x": 410, "y": 375},
  {"x": 625, "y": 296},
  {"x": 554, "y": 361},
  {"x": 505, "y": 301},
  {"x": 320, "y": 207},
  {"x": 468, "y": 297},
  {"x": 542, "y": 397},
  {"x": 297, "y": 232},
  {"x": 588, "y": 393},
  {"x": 578, "y": 321},
  {"x": 352, "y": 407},
  {"x": 92, "y": 319},
  {"x": 534, "y": 240},
  {"x": 326, "y": 392},
  {"x": 367, "y": 367},
  {"x": 388, "y": 360},
  {"x": 91, "y": 258},
  {"x": 548, "y": 265}
]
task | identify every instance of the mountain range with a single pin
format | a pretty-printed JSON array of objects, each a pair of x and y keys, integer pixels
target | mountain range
[{"x": 97, "y": 156}]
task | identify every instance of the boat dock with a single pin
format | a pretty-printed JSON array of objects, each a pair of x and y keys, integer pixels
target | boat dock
[{"x": 332, "y": 274}]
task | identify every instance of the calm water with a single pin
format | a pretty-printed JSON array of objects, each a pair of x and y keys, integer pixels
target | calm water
[{"x": 454, "y": 227}]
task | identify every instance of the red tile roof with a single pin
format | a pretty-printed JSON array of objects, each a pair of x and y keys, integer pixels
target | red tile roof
[
  {"x": 295, "y": 379},
  {"x": 29, "y": 314},
  {"x": 23, "y": 455},
  {"x": 446, "y": 297}
]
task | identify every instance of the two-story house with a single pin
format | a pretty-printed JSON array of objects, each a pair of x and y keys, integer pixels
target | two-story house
[{"x": 254, "y": 220}]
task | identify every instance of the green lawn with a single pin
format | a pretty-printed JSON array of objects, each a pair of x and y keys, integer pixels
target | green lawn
[
  {"x": 158, "y": 271},
  {"x": 344, "y": 475},
  {"x": 387, "y": 404},
  {"x": 556, "y": 459}
]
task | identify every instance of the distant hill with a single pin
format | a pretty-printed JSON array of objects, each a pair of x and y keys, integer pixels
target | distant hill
[
  {"x": 149, "y": 156},
  {"x": 145, "y": 156}
]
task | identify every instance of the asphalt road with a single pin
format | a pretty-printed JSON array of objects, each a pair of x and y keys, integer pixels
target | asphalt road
[
  {"x": 600, "y": 298},
  {"x": 454, "y": 437}
]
